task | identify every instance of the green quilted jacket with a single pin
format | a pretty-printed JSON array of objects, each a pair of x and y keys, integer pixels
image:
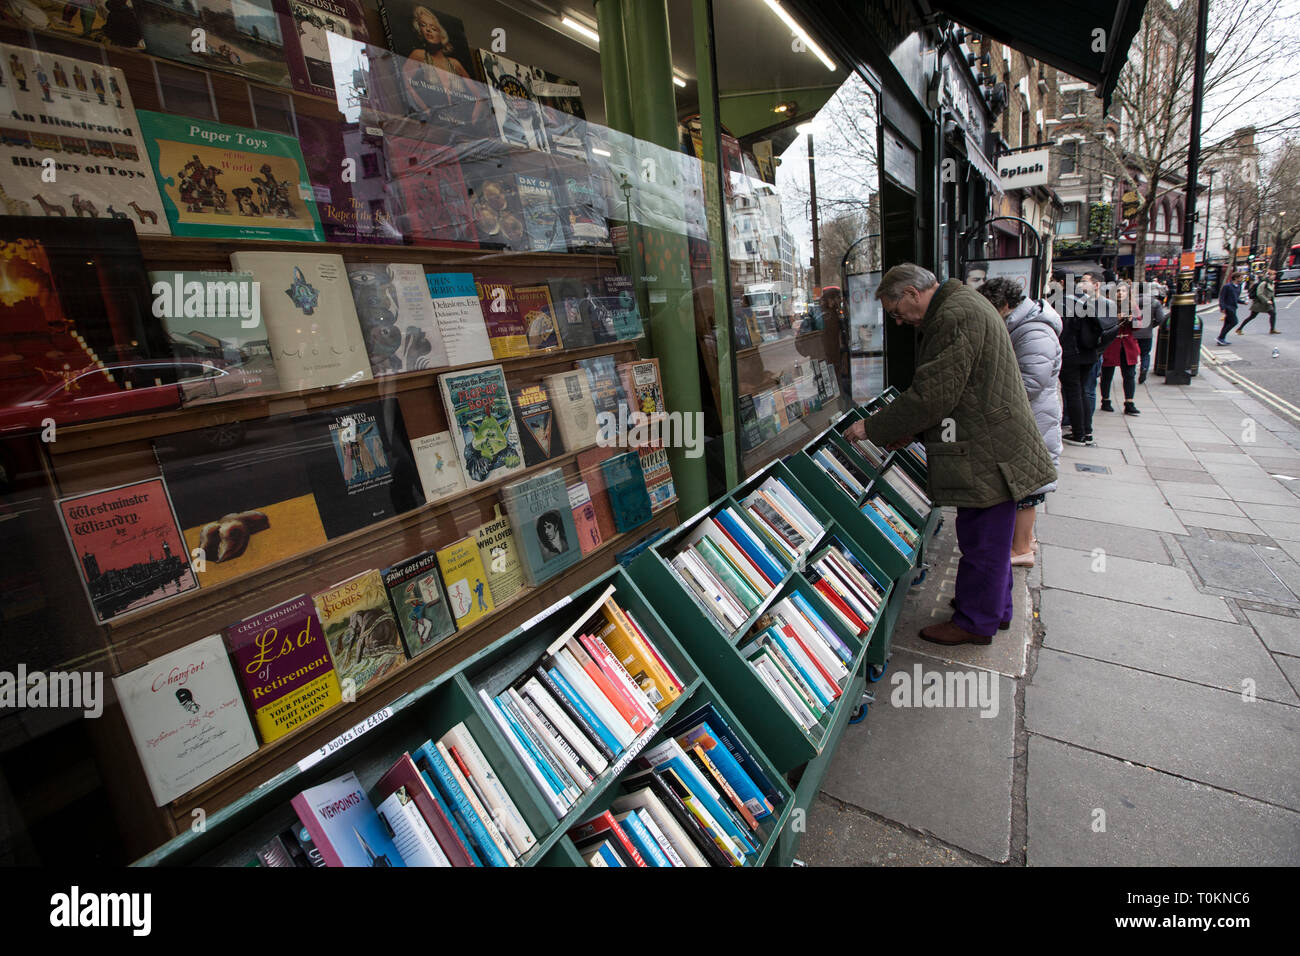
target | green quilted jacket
[{"x": 967, "y": 402}]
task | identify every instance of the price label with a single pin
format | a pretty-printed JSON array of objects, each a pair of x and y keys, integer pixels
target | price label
[
  {"x": 345, "y": 738},
  {"x": 550, "y": 610}
]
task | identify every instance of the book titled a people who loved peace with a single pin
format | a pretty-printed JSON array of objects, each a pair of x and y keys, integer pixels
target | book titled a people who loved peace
[
  {"x": 242, "y": 495},
  {"x": 186, "y": 717},
  {"x": 359, "y": 464},
  {"x": 223, "y": 181}
]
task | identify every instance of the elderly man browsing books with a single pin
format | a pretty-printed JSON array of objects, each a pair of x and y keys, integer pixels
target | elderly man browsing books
[{"x": 967, "y": 402}]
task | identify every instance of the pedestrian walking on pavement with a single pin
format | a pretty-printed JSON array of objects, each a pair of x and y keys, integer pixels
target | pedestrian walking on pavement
[
  {"x": 1123, "y": 353},
  {"x": 1262, "y": 300},
  {"x": 966, "y": 388},
  {"x": 1035, "y": 331},
  {"x": 1098, "y": 304},
  {"x": 1077, "y": 364},
  {"x": 1229, "y": 299},
  {"x": 1151, "y": 316}
]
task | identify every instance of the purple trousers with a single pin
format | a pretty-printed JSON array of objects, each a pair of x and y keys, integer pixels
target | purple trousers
[{"x": 984, "y": 572}]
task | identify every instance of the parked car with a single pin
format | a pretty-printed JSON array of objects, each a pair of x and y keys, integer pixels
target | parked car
[
  {"x": 1288, "y": 282},
  {"x": 91, "y": 394}
]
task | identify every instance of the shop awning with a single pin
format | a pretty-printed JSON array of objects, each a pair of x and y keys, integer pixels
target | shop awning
[
  {"x": 1059, "y": 34},
  {"x": 982, "y": 164}
]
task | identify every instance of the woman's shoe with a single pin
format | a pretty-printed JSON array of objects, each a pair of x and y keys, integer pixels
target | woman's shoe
[
  {"x": 1106, "y": 406},
  {"x": 1220, "y": 342},
  {"x": 1274, "y": 332},
  {"x": 1142, "y": 377},
  {"x": 1025, "y": 560},
  {"x": 1241, "y": 331},
  {"x": 1131, "y": 409}
]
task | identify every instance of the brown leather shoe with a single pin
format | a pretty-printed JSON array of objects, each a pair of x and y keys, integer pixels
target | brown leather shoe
[{"x": 950, "y": 634}]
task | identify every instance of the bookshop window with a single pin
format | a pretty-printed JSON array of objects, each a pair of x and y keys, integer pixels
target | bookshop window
[
  {"x": 314, "y": 333},
  {"x": 802, "y": 193}
]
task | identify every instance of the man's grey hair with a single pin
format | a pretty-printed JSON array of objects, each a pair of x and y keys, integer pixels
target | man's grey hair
[{"x": 903, "y": 275}]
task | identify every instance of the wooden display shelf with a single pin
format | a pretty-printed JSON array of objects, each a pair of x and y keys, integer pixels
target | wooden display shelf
[
  {"x": 776, "y": 344},
  {"x": 118, "y": 431},
  {"x": 278, "y": 756},
  {"x": 789, "y": 438}
]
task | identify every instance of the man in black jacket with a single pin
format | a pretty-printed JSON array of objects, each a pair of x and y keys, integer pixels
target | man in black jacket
[
  {"x": 1229, "y": 299},
  {"x": 1077, "y": 362}
]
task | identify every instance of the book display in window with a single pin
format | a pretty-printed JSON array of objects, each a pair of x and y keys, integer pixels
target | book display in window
[
  {"x": 460, "y": 317},
  {"x": 427, "y": 189},
  {"x": 584, "y": 517},
  {"x": 560, "y": 100},
  {"x": 505, "y": 326},
  {"x": 245, "y": 503},
  {"x": 574, "y": 413},
  {"x": 542, "y": 522},
  {"x": 107, "y": 175},
  {"x": 539, "y": 434},
  {"x": 128, "y": 547},
  {"x": 349, "y": 179},
  {"x": 543, "y": 223},
  {"x": 519, "y": 121},
  {"x": 223, "y": 181},
  {"x": 319, "y": 28},
  {"x": 432, "y": 64},
  {"x": 364, "y": 639},
  {"x": 623, "y": 312},
  {"x": 397, "y": 320},
  {"x": 359, "y": 465},
  {"x": 496, "y": 549},
  {"x": 186, "y": 717},
  {"x": 573, "y": 326},
  {"x": 538, "y": 314},
  {"x": 625, "y": 485},
  {"x": 284, "y": 664},
  {"x": 245, "y": 37},
  {"x": 494, "y": 203},
  {"x": 113, "y": 26},
  {"x": 482, "y": 423},
  {"x": 419, "y": 602},
  {"x": 310, "y": 318},
  {"x": 468, "y": 594},
  {"x": 437, "y": 462}
]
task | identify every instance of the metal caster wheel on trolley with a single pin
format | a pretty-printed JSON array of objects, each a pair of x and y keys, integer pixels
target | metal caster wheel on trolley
[{"x": 860, "y": 714}]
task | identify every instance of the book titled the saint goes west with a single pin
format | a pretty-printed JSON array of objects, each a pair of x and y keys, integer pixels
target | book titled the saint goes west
[{"x": 229, "y": 181}]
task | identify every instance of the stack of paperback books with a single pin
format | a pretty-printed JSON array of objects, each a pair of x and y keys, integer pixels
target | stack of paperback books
[
  {"x": 700, "y": 799},
  {"x": 852, "y": 479},
  {"x": 784, "y": 522},
  {"x": 801, "y": 659},
  {"x": 873, "y": 453},
  {"x": 893, "y": 525},
  {"x": 907, "y": 489},
  {"x": 596, "y": 692},
  {"x": 728, "y": 568},
  {"x": 853, "y": 593}
]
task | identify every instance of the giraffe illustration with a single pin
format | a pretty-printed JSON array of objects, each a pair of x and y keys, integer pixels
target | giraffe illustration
[
  {"x": 48, "y": 208},
  {"x": 146, "y": 215},
  {"x": 14, "y": 207}
]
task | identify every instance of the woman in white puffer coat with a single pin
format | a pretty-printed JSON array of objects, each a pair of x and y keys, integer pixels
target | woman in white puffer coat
[{"x": 1035, "y": 331}]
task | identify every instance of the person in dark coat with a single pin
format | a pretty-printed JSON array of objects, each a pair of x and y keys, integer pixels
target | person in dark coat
[
  {"x": 1076, "y": 366},
  {"x": 1262, "y": 300},
  {"x": 1229, "y": 299},
  {"x": 968, "y": 402},
  {"x": 1152, "y": 316},
  {"x": 1123, "y": 352}
]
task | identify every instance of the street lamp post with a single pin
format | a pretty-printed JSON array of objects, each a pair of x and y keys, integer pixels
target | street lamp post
[{"x": 1209, "y": 218}]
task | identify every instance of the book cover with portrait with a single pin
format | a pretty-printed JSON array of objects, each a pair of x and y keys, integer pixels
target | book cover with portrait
[{"x": 542, "y": 521}]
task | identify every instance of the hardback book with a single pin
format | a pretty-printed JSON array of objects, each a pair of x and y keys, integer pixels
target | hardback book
[
  {"x": 606, "y": 388},
  {"x": 438, "y": 463},
  {"x": 482, "y": 423},
  {"x": 582, "y": 208},
  {"x": 494, "y": 203},
  {"x": 642, "y": 386},
  {"x": 598, "y": 310},
  {"x": 77, "y": 317},
  {"x": 412, "y": 837},
  {"x": 344, "y": 826},
  {"x": 33, "y": 101},
  {"x": 496, "y": 549},
  {"x": 468, "y": 594},
  {"x": 427, "y": 187},
  {"x": 542, "y": 522},
  {"x": 216, "y": 318},
  {"x": 562, "y": 113},
  {"x": 186, "y": 717},
  {"x": 245, "y": 37},
  {"x": 323, "y": 31},
  {"x": 542, "y": 214},
  {"x": 264, "y": 191},
  {"x": 538, "y": 434},
  {"x": 404, "y": 774},
  {"x": 505, "y": 325},
  {"x": 116, "y": 27},
  {"x": 285, "y": 667},
  {"x": 584, "y": 517},
  {"x": 433, "y": 64},
  {"x": 460, "y": 317},
  {"x": 128, "y": 547},
  {"x": 311, "y": 322},
  {"x": 364, "y": 639},
  {"x": 396, "y": 315},
  {"x": 243, "y": 498},
  {"x": 625, "y": 485},
  {"x": 419, "y": 602},
  {"x": 519, "y": 121},
  {"x": 575, "y": 415},
  {"x": 359, "y": 465},
  {"x": 574, "y": 328},
  {"x": 658, "y": 476},
  {"x": 538, "y": 313},
  {"x": 349, "y": 178},
  {"x": 624, "y": 313}
]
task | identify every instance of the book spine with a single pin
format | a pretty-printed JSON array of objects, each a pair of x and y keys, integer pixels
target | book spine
[
  {"x": 827, "y": 633},
  {"x": 658, "y": 835},
  {"x": 794, "y": 673},
  {"x": 469, "y": 819},
  {"x": 572, "y": 671},
  {"x": 667, "y": 668},
  {"x": 533, "y": 691},
  {"x": 582, "y": 717},
  {"x": 554, "y": 741},
  {"x": 558, "y": 781},
  {"x": 622, "y": 681},
  {"x": 605, "y": 823},
  {"x": 604, "y": 686},
  {"x": 523, "y": 750},
  {"x": 645, "y": 844},
  {"x": 484, "y": 814},
  {"x": 691, "y": 825},
  {"x": 705, "y": 765},
  {"x": 727, "y": 575},
  {"x": 723, "y": 733},
  {"x": 635, "y": 650},
  {"x": 704, "y": 737},
  {"x": 412, "y": 833},
  {"x": 475, "y": 765},
  {"x": 456, "y": 838},
  {"x": 612, "y": 744}
]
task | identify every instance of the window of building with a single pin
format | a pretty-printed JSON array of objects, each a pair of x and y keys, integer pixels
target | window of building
[
  {"x": 1068, "y": 224},
  {"x": 1070, "y": 157},
  {"x": 1072, "y": 103},
  {"x": 1024, "y": 128}
]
